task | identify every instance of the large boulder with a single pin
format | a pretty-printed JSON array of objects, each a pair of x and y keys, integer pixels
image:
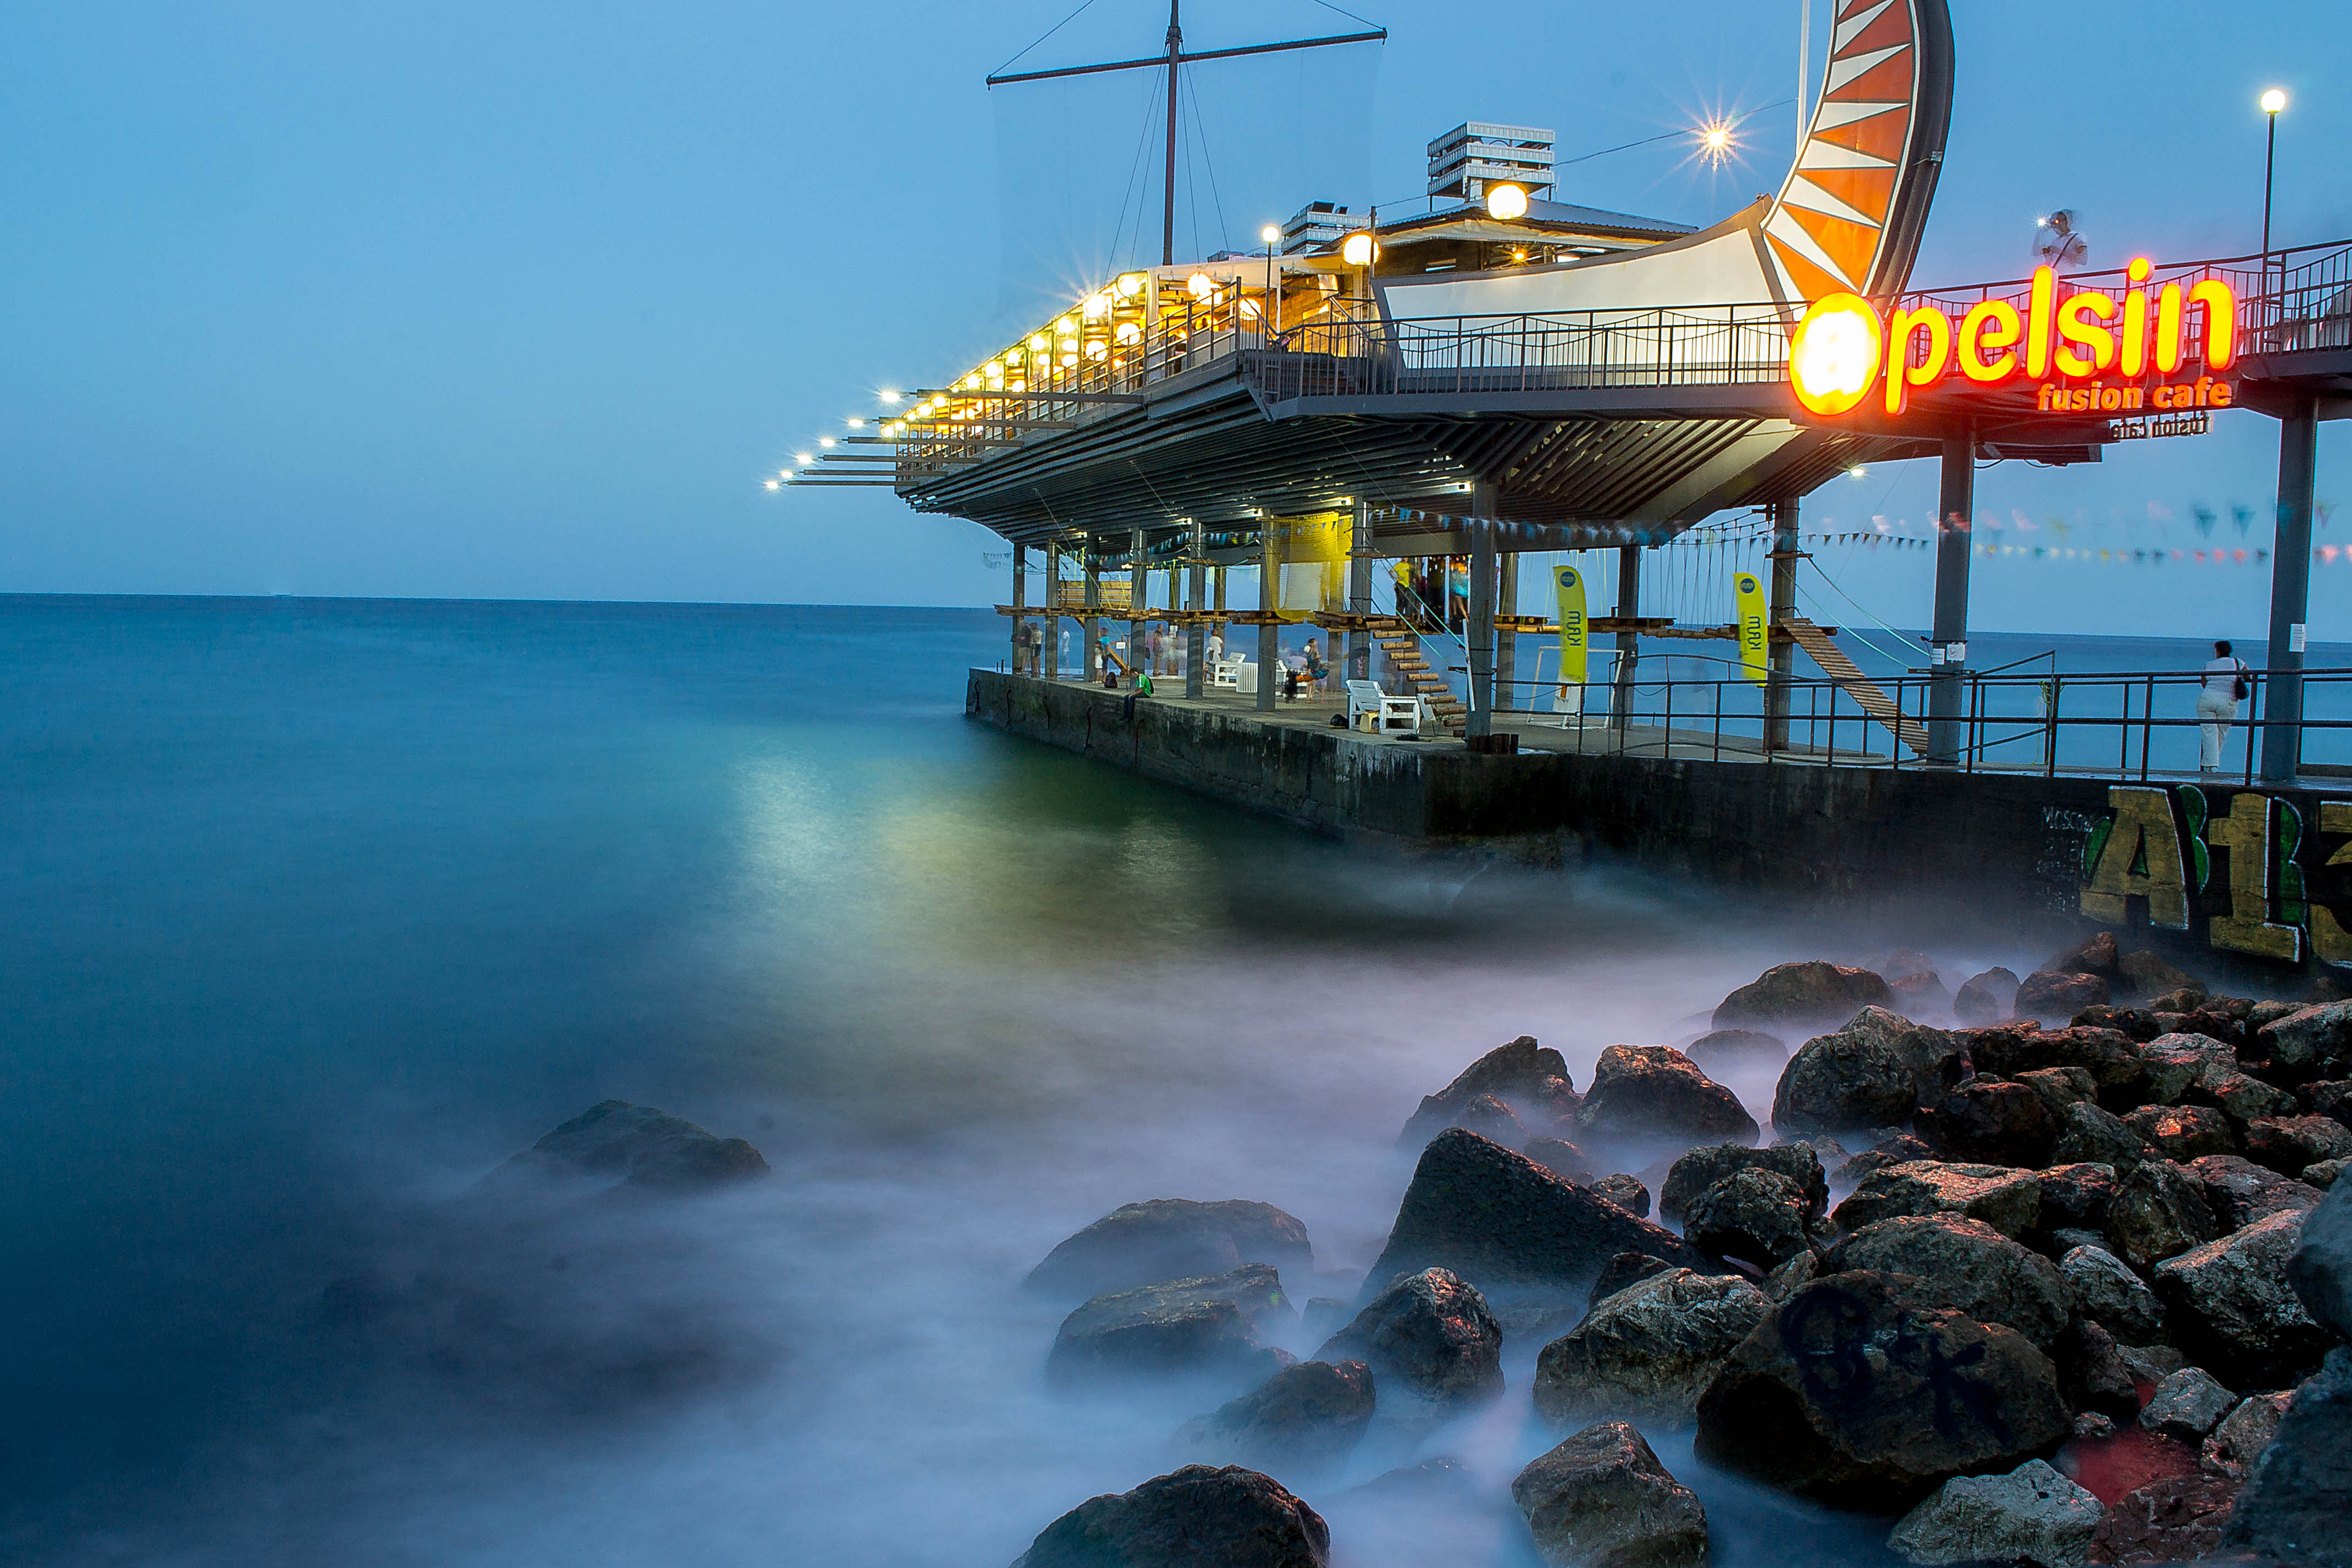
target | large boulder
[
  {"x": 1601, "y": 1500},
  {"x": 1559, "y": 1156},
  {"x": 2094, "y": 954},
  {"x": 2031, "y": 1515},
  {"x": 2294, "y": 1510},
  {"x": 1920, "y": 996},
  {"x": 2247, "y": 1098},
  {"x": 1655, "y": 1094},
  {"x": 2009, "y": 1201},
  {"x": 2095, "y": 1374},
  {"x": 1988, "y": 1121},
  {"x": 1433, "y": 1346},
  {"x": 2312, "y": 1040},
  {"x": 1854, "y": 1393},
  {"x": 2182, "y": 1132},
  {"x": 2243, "y": 1434},
  {"x": 2141, "y": 974},
  {"x": 2062, "y": 1089},
  {"x": 1755, "y": 1214},
  {"x": 2159, "y": 1210},
  {"x": 1530, "y": 1078},
  {"x": 1840, "y": 1082},
  {"x": 2289, "y": 1143},
  {"x": 1193, "y": 1518},
  {"x": 2074, "y": 1197},
  {"x": 2055, "y": 995},
  {"x": 2229, "y": 1305},
  {"x": 1803, "y": 994},
  {"x": 1736, "y": 1050},
  {"x": 1966, "y": 1264},
  {"x": 2110, "y": 1056},
  {"x": 1171, "y": 1238},
  {"x": 2179, "y": 1061},
  {"x": 1648, "y": 1350},
  {"x": 1219, "y": 1326},
  {"x": 635, "y": 1146},
  {"x": 1508, "y": 1225},
  {"x": 2239, "y": 1192},
  {"x": 2089, "y": 1134},
  {"x": 2178, "y": 1519},
  {"x": 2320, "y": 1267},
  {"x": 1701, "y": 1168},
  {"x": 1934, "y": 1056},
  {"x": 1306, "y": 1419},
  {"x": 1987, "y": 997},
  {"x": 2106, "y": 1289},
  {"x": 1627, "y": 1191},
  {"x": 2186, "y": 1405}
]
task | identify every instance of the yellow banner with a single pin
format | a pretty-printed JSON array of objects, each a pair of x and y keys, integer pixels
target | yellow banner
[
  {"x": 1311, "y": 556},
  {"x": 1567, "y": 585},
  {"x": 1755, "y": 634}
]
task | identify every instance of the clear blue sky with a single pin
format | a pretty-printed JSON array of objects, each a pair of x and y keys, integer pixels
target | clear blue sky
[{"x": 520, "y": 299}]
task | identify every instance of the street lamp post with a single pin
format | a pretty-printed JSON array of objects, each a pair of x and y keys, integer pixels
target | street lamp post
[
  {"x": 1271, "y": 236},
  {"x": 2273, "y": 101}
]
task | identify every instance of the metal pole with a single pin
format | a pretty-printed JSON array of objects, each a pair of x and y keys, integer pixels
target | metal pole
[
  {"x": 2282, "y": 706},
  {"x": 1020, "y": 603},
  {"x": 1506, "y": 603},
  {"x": 1948, "y": 653},
  {"x": 1090, "y": 625},
  {"x": 1196, "y": 630},
  {"x": 1269, "y": 635},
  {"x": 1360, "y": 593},
  {"x": 1167, "y": 196},
  {"x": 1629, "y": 643},
  {"x": 1138, "y": 605},
  {"x": 1049, "y": 645},
  {"x": 1481, "y": 629},
  {"x": 2270, "y": 314},
  {"x": 1780, "y": 654}
]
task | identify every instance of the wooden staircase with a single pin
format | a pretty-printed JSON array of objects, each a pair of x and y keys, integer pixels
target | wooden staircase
[
  {"x": 1848, "y": 678},
  {"x": 1402, "y": 646}
]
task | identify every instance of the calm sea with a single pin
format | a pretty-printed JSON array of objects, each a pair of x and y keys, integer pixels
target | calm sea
[{"x": 319, "y": 909}]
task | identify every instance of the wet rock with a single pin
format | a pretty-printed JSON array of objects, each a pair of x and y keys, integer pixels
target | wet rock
[
  {"x": 1902, "y": 1150},
  {"x": 1559, "y": 1157},
  {"x": 1488, "y": 1117},
  {"x": 1988, "y": 1121},
  {"x": 2074, "y": 1197},
  {"x": 1920, "y": 997},
  {"x": 2031, "y": 1515},
  {"x": 2109, "y": 1055},
  {"x": 2177, "y": 1520},
  {"x": 2246, "y": 1098},
  {"x": 1523, "y": 1074},
  {"x": 2094, "y": 954},
  {"x": 1626, "y": 1192},
  {"x": 2330, "y": 1097},
  {"x": 1755, "y": 1214},
  {"x": 1701, "y": 1168},
  {"x": 2159, "y": 1210},
  {"x": 1736, "y": 1050},
  {"x": 1801, "y": 994},
  {"x": 2239, "y": 1192},
  {"x": 1825, "y": 1398},
  {"x": 1217, "y": 1326},
  {"x": 1432, "y": 1479},
  {"x": 2090, "y": 1135},
  {"x": 2137, "y": 1024},
  {"x": 2055, "y": 997},
  {"x": 2229, "y": 1305},
  {"x": 2292, "y": 1511},
  {"x": 1934, "y": 1056},
  {"x": 2182, "y": 1132},
  {"x": 1986, "y": 998},
  {"x": 2288, "y": 1143},
  {"x": 1964, "y": 1263},
  {"x": 1505, "y": 1224},
  {"x": 1304, "y": 1420},
  {"x": 1648, "y": 1350},
  {"x": 2009, "y": 1201},
  {"x": 2094, "y": 1374},
  {"x": 2243, "y": 1434},
  {"x": 1625, "y": 1269},
  {"x": 1793, "y": 1276},
  {"x": 2177, "y": 1062},
  {"x": 635, "y": 1146},
  {"x": 2317, "y": 1037},
  {"x": 1601, "y": 1500},
  {"x": 1655, "y": 1092},
  {"x": 2322, "y": 1173},
  {"x": 1171, "y": 1238},
  {"x": 2181, "y": 1000},
  {"x": 2187, "y": 1406},
  {"x": 2319, "y": 1270},
  {"x": 1193, "y": 1518},
  {"x": 2062, "y": 1088},
  {"x": 2105, "y": 1288},
  {"x": 1844, "y": 1081},
  {"x": 1429, "y": 1340},
  {"x": 2152, "y": 1363},
  {"x": 1903, "y": 963},
  {"x": 2142, "y": 976},
  {"x": 2090, "y": 1426}
]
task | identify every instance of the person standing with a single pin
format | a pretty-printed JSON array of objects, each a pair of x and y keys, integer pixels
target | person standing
[{"x": 2228, "y": 682}]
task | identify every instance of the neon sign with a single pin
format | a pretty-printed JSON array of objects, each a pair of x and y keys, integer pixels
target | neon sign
[{"x": 1842, "y": 347}]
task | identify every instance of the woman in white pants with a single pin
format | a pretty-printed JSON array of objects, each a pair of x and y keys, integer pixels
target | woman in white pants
[{"x": 2217, "y": 705}]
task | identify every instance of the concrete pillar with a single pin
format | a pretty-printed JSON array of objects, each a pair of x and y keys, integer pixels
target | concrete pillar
[
  {"x": 1196, "y": 630},
  {"x": 1947, "y": 640},
  {"x": 1269, "y": 635},
  {"x": 1780, "y": 657},
  {"x": 1090, "y": 623},
  {"x": 1478, "y": 635},
  {"x": 1629, "y": 607},
  {"x": 1360, "y": 592},
  {"x": 1138, "y": 604},
  {"x": 1020, "y": 600},
  {"x": 2282, "y": 695},
  {"x": 1049, "y": 642},
  {"x": 1506, "y": 603}
]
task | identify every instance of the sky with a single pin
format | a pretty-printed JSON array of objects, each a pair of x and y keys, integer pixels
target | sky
[{"x": 524, "y": 300}]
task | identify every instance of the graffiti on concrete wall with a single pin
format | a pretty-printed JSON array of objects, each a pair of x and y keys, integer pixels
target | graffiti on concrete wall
[{"x": 2240, "y": 867}]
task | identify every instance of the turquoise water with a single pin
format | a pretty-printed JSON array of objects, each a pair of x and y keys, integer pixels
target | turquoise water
[{"x": 322, "y": 909}]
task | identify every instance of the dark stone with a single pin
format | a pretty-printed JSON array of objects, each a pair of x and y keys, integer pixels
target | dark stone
[
  {"x": 1560, "y": 1157},
  {"x": 1934, "y": 1056},
  {"x": 1193, "y": 1518},
  {"x": 1626, "y": 1192},
  {"x": 2314, "y": 1040},
  {"x": 1986, "y": 998},
  {"x": 2182, "y": 1132},
  {"x": 2094, "y": 954},
  {"x": 1625, "y": 1269},
  {"x": 1903, "y": 1149},
  {"x": 1601, "y": 1500},
  {"x": 1964, "y": 1263},
  {"x": 2186, "y": 1405},
  {"x": 2111, "y": 1057},
  {"x": 2105, "y": 1288},
  {"x": 1508, "y": 1225},
  {"x": 2230, "y": 1306},
  {"x": 1702, "y": 1168},
  {"x": 2054, "y": 999},
  {"x": 2294, "y": 1508},
  {"x": 1906, "y": 963},
  {"x": 2093, "y": 1374},
  {"x": 2288, "y": 1143},
  {"x": 2088, "y": 1136},
  {"x": 2330, "y": 1097},
  {"x": 1171, "y": 1238},
  {"x": 1755, "y": 1214},
  {"x": 1428, "y": 1337},
  {"x": 2075, "y": 1197},
  {"x": 1488, "y": 1117},
  {"x": 1801, "y": 994},
  {"x": 1304, "y": 1419},
  {"x": 1731, "y": 1051},
  {"x": 1852, "y": 1392},
  {"x": 1845, "y": 1080},
  {"x": 2142, "y": 975},
  {"x": 2159, "y": 1210},
  {"x": 2239, "y": 1192},
  {"x": 2244, "y": 1432},
  {"x": 1655, "y": 1092},
  {"x": 2181, "y": 999},
  {"x": 2246, "y": 1098},
  {"x": 1524, "y": 1075},
  {"x": 2320, "y": 1267},
  {"x": 2008, "y": 1200},
  {"x": 2176, "y": 1061},
  {"x": 1920, "y": 997},
  {"x": 2133, "y": 1023},
  {"x": 1990, "y": 1122},
  {"x": 2177, "y": 1520},
  {"x": 2062, "y": 1089},
  {"x": 1647, "y": 1349},
  {"x": 2322, "y": 1173},
  {"x": 1210, "y": 1326},
  {"x": 634, "y": 1144}
]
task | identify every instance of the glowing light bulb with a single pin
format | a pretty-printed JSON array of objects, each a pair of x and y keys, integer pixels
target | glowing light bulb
[
  {"x": 2273, "y": 100},
  {"x": 802, "y": 459},
  {"x": 889, "y": 397},
  {"x": 858, "y": 425},
  {"x": 824, "y": 440},
  {"x": 1130, "y": 284},
  {"x": 1357, "y": 250},
  {"x": 1199, "y": 286},
  {"x": 1505, "y": 202},
  {"x": 1833, "y": 354},
  {"x": 1096, "y": 308},
  {"x": 771, "y": 484},
  {"x": 1039, "y": 341},
  {"x": 1269, "y": 234}
]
